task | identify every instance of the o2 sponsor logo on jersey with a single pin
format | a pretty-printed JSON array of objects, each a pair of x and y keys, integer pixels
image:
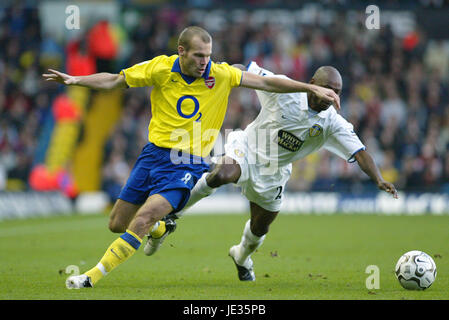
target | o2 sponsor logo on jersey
[
  {"x": 315, "y": 130},
  {"x": 195, "y": 110}
]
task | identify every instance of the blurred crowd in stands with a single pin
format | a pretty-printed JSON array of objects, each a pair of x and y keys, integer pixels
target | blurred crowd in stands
[{"x": 395, "y": 94}]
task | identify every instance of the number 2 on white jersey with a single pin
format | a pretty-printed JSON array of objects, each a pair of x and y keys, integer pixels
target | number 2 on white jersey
[{"x": 279, "y": 195}]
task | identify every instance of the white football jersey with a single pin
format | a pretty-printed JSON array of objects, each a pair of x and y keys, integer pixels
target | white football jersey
[{"x": 286, "y": 129}]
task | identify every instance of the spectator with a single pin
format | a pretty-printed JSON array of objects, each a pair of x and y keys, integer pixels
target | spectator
[{"x": 395, "y": 90}]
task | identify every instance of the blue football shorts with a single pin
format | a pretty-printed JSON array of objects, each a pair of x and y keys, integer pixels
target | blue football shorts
[{"x": 156, "y": 173}]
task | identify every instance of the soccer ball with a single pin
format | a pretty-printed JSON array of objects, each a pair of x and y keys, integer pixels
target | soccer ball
[{"x": 416, "y": 270}]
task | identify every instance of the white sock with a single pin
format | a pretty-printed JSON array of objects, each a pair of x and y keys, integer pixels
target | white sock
[
  {"x": 249, "y": 243},
  {"x": 199, "y": 191}
]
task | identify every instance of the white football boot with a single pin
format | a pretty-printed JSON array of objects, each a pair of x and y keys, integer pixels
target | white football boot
[
  {"x": 153, "y": 244},
  {"x": 78, "y": 282},
  {"x": 245, "y": 270}
]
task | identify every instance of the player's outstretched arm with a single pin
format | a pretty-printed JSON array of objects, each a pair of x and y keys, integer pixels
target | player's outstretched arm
[
  {"x": 98, "y": 81},
  {"x": 284, "y": 85},
  {"x": 368, "y": 166}
]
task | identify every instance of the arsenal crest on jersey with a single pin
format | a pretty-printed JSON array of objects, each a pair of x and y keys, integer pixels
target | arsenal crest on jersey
[{"x": 210, "y": 82}]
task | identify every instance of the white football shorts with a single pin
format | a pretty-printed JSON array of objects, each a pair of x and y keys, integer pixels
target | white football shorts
[{"x": 261, "y": 183}]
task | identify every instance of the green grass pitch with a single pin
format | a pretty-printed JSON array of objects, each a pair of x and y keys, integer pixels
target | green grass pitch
[{"x": 304, "y": 257}]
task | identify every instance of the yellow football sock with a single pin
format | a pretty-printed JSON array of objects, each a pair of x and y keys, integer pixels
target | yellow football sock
[
  {"x": 158, "y": 230},
  {"x": 118, "y": 252}
]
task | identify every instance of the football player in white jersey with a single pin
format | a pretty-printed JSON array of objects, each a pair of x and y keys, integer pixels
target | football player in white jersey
[{"x": 259, "y": 159}]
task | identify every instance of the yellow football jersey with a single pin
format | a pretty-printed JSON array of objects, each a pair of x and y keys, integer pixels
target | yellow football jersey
[{"x": 187, "y": 112}]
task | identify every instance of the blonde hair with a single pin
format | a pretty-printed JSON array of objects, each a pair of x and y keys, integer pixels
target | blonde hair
[{"x": 188, "y": 33}]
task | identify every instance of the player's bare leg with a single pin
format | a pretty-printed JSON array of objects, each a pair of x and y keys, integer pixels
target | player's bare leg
[
  {"x": 121, "y": 215},
  {"x": 253, "y": 236},
  {"x": 226, "y": 171},
  {"x": 154, "y": 209}
]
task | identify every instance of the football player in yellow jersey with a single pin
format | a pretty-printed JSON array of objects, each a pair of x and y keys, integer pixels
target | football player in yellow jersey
[{"x": 188, "y": 101}]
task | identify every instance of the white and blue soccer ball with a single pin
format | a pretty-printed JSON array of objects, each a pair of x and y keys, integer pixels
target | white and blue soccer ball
[{"x": 416, "y": 270}]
